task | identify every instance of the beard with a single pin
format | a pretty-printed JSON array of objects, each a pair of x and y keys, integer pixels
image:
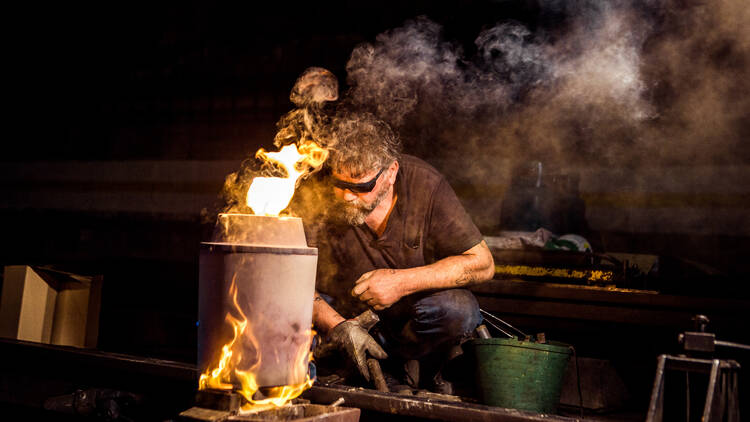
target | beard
[{"x": 355, "y": 212}]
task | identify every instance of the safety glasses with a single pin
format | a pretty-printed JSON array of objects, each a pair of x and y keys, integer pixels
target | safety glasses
[{"x": 363, "y": 187}]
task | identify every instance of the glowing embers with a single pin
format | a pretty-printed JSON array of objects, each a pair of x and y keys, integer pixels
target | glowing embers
[
  {"x": 241, "y": 359},
  {"x": 271, "y": 195}
]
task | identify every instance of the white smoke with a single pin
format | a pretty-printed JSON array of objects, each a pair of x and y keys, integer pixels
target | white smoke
[
  {"x": 519, "y": 91},
  {"x": 627, "y": 83}
]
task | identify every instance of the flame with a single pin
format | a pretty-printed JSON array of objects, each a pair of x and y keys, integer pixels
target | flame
[
  {"x": 271, "y": 195},
  {"x": 227, "y": 367}
]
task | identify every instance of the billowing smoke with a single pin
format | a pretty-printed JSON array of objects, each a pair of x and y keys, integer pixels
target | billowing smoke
[
  {"x": 520, "y": 91},
  {"x": 698, "y": 65},
  {"x": 616, "y": 74},
  {"x": 631, "y": 84}
]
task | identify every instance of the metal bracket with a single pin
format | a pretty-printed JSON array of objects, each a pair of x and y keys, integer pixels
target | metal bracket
[{"x": 722, "y": 396}]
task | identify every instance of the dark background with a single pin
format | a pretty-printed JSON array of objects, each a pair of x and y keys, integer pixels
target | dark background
[
  {"x": 115, "y": 82},
  {"x": 125, "y": 118},
  {"x": 106, "y": 85},
  {"x": 98, "y": 88}
]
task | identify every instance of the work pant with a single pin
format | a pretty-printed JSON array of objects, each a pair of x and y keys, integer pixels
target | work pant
[{"x": 426, "y": 325}]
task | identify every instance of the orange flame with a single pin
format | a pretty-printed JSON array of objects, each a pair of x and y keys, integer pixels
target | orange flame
[
  {"x": 271, "y": 195},
  {"x": 227, "y": 368}
]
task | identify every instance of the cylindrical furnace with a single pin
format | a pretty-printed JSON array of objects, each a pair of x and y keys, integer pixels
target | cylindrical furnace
[{"x": 258, "y": 269}]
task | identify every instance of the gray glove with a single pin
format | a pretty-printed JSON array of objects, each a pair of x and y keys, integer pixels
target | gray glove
[{"x": 354, "y": 339}]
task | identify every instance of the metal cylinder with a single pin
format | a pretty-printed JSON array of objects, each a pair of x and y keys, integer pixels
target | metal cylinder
[{"x": 271, "y": 286}]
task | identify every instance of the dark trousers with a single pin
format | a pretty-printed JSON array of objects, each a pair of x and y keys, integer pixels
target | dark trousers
[{"x": 425, "y": 325}]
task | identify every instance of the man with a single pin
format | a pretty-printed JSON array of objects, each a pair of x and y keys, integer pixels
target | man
[{"x": 404, "y": 247}]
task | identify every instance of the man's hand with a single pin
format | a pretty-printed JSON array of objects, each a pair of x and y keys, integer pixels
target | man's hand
[
  {"x": 351, "y": 337},
  {"x": 384, "y": 287},
  {"x": 379, "y": 288}
]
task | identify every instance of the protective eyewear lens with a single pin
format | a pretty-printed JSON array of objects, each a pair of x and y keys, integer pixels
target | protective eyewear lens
[{"x": 363, "y": 187}]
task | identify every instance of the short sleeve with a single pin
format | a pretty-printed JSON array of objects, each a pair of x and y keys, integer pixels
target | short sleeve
[{"x": 450, "y": 228}]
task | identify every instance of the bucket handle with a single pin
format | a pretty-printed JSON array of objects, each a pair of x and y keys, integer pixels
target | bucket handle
[{"x": 500, "y": 321}]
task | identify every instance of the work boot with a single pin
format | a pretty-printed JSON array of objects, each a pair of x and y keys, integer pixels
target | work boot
[
  {"x": 439, "y": 385},
  {"x": 431, "y": 370},
  {"x": 396, "y": 385}
]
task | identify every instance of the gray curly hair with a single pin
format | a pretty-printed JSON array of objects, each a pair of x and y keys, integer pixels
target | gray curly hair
[{"x": 363, "y": 143}]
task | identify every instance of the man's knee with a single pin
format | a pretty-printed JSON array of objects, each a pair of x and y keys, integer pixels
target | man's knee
[{"x": 454, "y": 312}]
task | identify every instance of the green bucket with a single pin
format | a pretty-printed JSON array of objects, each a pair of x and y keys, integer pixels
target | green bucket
[{"x": 520, "y": 374}]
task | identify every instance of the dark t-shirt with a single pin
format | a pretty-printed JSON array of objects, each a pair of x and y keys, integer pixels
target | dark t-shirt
[{"x": 427, "y": 224}]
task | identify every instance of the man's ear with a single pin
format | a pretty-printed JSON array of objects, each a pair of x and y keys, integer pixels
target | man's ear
[{"x": 394, "y": 172}]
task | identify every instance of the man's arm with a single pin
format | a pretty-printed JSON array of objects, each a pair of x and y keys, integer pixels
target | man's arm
[
  {"x": 324, "y": 316},
  {"x": 384, "y": 287}
]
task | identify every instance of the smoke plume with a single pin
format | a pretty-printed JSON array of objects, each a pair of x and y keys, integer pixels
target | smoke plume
[
  {"x": 625, "y": 84},
  {"x": 620, "y": 82}
]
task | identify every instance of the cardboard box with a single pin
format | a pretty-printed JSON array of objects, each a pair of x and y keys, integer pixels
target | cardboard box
[{"x": 50, "y": 306}]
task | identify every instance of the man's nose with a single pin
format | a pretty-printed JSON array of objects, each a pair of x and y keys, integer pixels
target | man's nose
[
  {"x": 348, "y": 195},
  {"x": 344, "y": 194}
]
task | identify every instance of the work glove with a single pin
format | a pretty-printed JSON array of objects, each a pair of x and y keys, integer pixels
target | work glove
[{"x": 354, "y": 339}]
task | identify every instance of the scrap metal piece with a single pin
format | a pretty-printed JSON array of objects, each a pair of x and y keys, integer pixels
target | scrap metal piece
[
  {"x": 200, "y": 414},
  {"x": 303, "y": 413},
  {"x": 223, "y": 400},
  {"x": 483, "y": 332}
]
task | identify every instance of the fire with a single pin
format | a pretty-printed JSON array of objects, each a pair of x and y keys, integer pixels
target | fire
[
  {"x": 271, "y": 195},
  {"x": 227, "y": 368}
]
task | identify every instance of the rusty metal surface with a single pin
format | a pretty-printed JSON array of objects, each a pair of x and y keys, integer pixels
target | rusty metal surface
[
  {"x": 303, "y": 413},
  {"x": 427, "y": 408},
  {"x": 540, "y": 271}
]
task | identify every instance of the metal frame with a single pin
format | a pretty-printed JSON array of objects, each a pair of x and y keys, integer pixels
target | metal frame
[{"x": 722, "y": 400}]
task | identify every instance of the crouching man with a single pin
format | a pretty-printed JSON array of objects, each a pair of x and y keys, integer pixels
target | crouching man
[{"x": 402, "y": 245}]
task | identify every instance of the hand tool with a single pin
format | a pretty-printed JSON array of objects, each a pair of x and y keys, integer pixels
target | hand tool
[{"x": 367, "y": 320}]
